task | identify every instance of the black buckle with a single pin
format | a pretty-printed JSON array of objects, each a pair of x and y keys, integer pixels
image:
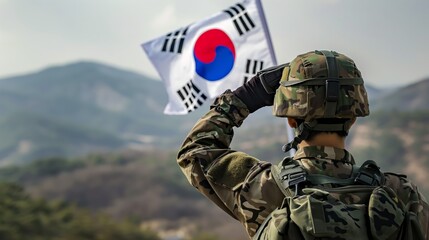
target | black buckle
[
  {"x": 332, "y": 90},
  {"x": 294, "y": 179},
  {"x": 363, "y": 178}
]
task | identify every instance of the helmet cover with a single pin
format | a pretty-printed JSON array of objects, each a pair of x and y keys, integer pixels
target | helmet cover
[{"x": 321, "y": 84}]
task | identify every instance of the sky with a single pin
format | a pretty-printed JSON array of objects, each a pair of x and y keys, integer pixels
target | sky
[{"x": 388, "y": 39}]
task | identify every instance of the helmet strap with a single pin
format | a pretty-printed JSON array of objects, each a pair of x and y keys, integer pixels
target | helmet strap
[
  {"x": 301, "y": 133},
  {"x": 305, "y": 128},
  {"x": 332, "y": 84}
]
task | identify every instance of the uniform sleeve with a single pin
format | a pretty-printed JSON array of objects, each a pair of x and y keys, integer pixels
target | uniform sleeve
[{"x": 206, "y": 159}]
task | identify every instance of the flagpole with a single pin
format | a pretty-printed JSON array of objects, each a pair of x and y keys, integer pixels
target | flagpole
[
  {"x": 289, "y": 130},
  {"x": 266, "y": 30},
  {"x": 290, "y": 137}
]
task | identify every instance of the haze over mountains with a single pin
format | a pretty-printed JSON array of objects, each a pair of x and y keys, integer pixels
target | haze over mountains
[
  {"x": 78, "y": 108},
  {"x": 409, "y": 98},
  {"x": 88, "y": 107}
]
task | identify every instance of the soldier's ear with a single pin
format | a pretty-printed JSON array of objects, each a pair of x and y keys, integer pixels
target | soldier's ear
[{"x": 292, "y": 122}]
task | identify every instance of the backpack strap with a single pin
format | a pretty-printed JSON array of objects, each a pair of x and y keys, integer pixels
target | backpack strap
[
  {"x": 262, "y": 227},
  {"x": 289, "y": 174},
  {"x": 369, "y": 174}
]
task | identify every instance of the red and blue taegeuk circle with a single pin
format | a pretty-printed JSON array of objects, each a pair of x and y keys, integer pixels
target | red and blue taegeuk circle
[{"x": 214, "y": 55}]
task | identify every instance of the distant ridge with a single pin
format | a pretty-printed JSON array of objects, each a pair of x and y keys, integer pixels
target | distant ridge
[
  {"x": 409, "y": 98},
  {"x": 82, "y": 99},
  {"x": 86, "y": 106}
]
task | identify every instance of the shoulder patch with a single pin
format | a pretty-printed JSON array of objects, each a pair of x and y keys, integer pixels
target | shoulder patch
[{"x": 231, "y": 169}]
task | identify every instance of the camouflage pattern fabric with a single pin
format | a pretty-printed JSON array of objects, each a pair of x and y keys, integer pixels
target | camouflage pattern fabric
[
  {"x": 352, "y": 212},
  {"x": 242, "y": 185},
  {"x": 308, "y": 101},
  {"x": 313, "y": 65},
  {"x": 239, "y": 184},
  {"x": 333, "y": 162}
]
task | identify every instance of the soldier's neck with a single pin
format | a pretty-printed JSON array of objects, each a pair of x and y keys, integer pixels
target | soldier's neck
[{"x": 325, "y": 139}]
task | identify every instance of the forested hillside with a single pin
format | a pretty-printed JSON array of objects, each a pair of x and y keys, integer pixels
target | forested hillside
[
  {"x": 25, "y": 217},
  {"x": 145, "y": 187}
]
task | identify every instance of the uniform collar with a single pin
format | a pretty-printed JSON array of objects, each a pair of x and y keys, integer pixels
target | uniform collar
[{"x": 324, "y": 152}]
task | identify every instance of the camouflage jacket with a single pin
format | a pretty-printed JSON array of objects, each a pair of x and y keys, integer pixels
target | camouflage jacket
[{"x": 242, "y": 185}]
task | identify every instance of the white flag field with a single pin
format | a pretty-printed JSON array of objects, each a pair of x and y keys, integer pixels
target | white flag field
[{"x": 200, "y": 61}]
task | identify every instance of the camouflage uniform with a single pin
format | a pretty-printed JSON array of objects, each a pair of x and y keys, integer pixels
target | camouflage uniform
[{"x": 242, "y": 185}]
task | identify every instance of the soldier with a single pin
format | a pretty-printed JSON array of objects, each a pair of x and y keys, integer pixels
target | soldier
[{"x": 321, "y": 93}]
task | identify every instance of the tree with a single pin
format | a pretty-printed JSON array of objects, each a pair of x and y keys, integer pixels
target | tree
[{"x": 23, "y": 218}]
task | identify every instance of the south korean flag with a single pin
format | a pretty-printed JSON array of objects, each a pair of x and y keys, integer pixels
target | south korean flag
[{"x": 200, "y": 61}]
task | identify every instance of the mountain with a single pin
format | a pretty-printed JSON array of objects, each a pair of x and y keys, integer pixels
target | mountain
[
  {"x": 86, "y": 107},
  {"x": 88, "y": 93},
  {"x": 82, "y": 107},
  {"x": 373, "y": 92},
  {"x": 406, "y": 99}
]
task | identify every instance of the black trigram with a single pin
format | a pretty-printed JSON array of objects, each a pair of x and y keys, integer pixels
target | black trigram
[
  {"x": 241, "y": 19},
  {"x": 252, "y": 67},
  {"x": 192, "y": 96},
  {"x": 173, "y": 41}
]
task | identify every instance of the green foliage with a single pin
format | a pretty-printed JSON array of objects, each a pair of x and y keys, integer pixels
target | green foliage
[
  {"x": 28, "y": 136},
  {"x": 133, "y": 185},
  {"x": 23, "y": 217},
  {"x": 204, "y": 236},
  {"x": 394, "y": 118},
  {"x": 51, "y": 166},
  {"x": 38, "y": 169}
]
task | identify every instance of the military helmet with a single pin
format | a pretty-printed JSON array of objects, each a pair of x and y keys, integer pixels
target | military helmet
[{"x": 321, "y": 84}]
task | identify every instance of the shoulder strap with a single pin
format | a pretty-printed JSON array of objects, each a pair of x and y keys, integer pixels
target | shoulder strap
[
  {"x": 262, "y": 227},
  {"x": 369, "y": 174},
  {"x": 288, "y": 175}
]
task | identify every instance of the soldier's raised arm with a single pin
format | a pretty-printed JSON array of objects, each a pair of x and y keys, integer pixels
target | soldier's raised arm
[{"x": 207, "y": 160}]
